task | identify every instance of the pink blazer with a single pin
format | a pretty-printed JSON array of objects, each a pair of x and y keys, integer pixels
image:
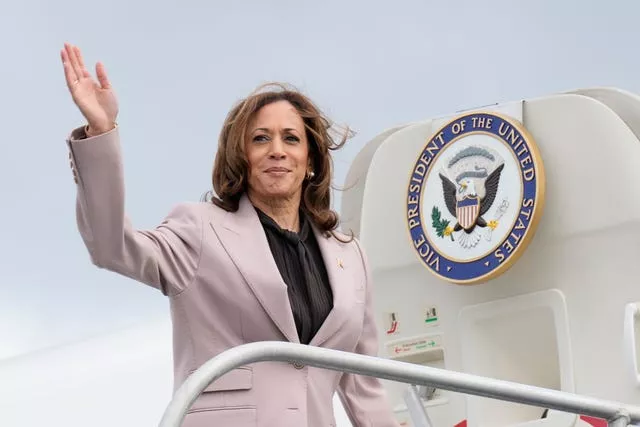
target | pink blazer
[{"x": 225, "y": 290}]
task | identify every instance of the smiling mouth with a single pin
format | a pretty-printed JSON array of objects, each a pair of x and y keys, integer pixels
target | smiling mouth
[{"x": 277, "y": 170}]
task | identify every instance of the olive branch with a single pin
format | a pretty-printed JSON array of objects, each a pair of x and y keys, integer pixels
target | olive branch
[{"x": 441, "y": 225}]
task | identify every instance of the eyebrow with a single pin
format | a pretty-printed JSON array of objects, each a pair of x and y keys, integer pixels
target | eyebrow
[{"x": 285, "y": 129}]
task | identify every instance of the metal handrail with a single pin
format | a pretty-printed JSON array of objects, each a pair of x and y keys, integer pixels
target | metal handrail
[{"x": 617, "y": 414}]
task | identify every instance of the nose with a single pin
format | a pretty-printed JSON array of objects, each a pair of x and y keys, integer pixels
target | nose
[{"x": 277, "y": 148}]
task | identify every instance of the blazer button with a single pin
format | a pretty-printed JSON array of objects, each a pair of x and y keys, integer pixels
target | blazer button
[{"x": 298, "y": 365}]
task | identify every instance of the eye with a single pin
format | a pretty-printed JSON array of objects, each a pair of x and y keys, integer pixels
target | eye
[
  {"x": 292, "y": 138},
  {"x": 260, "y": 138}
]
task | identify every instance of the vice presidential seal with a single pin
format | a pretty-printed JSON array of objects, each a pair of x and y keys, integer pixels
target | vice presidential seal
[{"x": 475, "y": 197}]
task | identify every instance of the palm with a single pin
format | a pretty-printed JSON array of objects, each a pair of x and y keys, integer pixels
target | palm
[
  {"x": 98, "y": 105},
  {"x": 95, "y": 99}
]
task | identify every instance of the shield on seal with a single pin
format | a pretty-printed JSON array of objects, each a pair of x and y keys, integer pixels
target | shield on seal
[{"x": 467, "y": 211}]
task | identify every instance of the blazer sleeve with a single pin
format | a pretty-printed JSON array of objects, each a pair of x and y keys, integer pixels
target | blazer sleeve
[
  {"x": 363, "y": 397},
  {"x": 165, "y": 257}
]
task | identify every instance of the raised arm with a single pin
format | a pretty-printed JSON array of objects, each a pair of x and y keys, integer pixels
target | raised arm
[
  {"x": 166, "y": 257},
  {"x": 363, "y": 397}
]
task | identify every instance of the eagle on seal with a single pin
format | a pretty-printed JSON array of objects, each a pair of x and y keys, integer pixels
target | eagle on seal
[{"x": 469, "y": 209}]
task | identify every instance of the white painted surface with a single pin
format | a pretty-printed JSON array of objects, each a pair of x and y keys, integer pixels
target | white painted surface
[{"x": 585, "y": 252}]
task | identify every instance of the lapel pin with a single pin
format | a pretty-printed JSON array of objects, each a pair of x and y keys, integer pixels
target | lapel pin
[{"x": 340, "y": 263}]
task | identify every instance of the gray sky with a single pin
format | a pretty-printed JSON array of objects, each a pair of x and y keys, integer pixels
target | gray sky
[{"x": 178, "y": 68}]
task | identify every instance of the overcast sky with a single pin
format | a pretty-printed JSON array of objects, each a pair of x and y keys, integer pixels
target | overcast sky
[{"x": 177, "y": 67}]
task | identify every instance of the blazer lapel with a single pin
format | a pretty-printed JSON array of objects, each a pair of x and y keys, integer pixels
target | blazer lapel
[
  {"x": 243, "y": 238},
  {"x": 332, "y": 254}
]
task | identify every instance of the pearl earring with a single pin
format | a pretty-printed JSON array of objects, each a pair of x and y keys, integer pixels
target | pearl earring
[{"x": 310, "y": 175}]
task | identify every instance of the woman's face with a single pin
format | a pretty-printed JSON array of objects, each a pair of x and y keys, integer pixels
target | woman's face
[{"x": 278, "y": 152}]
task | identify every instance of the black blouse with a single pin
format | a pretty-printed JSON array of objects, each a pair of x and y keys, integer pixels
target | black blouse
[{"x": 300, "y": 263}]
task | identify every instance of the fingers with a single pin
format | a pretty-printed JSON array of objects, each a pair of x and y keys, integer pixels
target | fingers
[
  {"x": 75, "y": 61},
  {"x": 101, "y": 73},
  {"x": 75, "y": 69},
  {"x": 69, "y": 73},
  {"x": 83, "y": 70}
]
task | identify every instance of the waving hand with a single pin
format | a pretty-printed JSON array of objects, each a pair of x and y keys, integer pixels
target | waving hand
[{"x": 95, "y": 98}]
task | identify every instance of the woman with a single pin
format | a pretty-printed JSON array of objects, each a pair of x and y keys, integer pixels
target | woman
[{"x": 261, "y": 262}]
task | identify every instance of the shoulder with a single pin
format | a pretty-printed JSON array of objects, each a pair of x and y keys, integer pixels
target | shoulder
[
  {"x": 195, "y": 209},
  {"x": 350, "y": 244},
  {"x": 353, "y": 254},
  {"x": 187, "y": 210},
  {"x": 193, "y": 213},
  {"x": 361, "y": 254}
]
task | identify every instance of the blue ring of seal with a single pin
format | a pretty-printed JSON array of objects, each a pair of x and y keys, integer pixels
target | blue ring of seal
[{"x": 469, "y": 271}]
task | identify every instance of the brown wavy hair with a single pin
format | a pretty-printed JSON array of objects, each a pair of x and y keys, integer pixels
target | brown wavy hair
[{"x": 230, "y": 169}]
